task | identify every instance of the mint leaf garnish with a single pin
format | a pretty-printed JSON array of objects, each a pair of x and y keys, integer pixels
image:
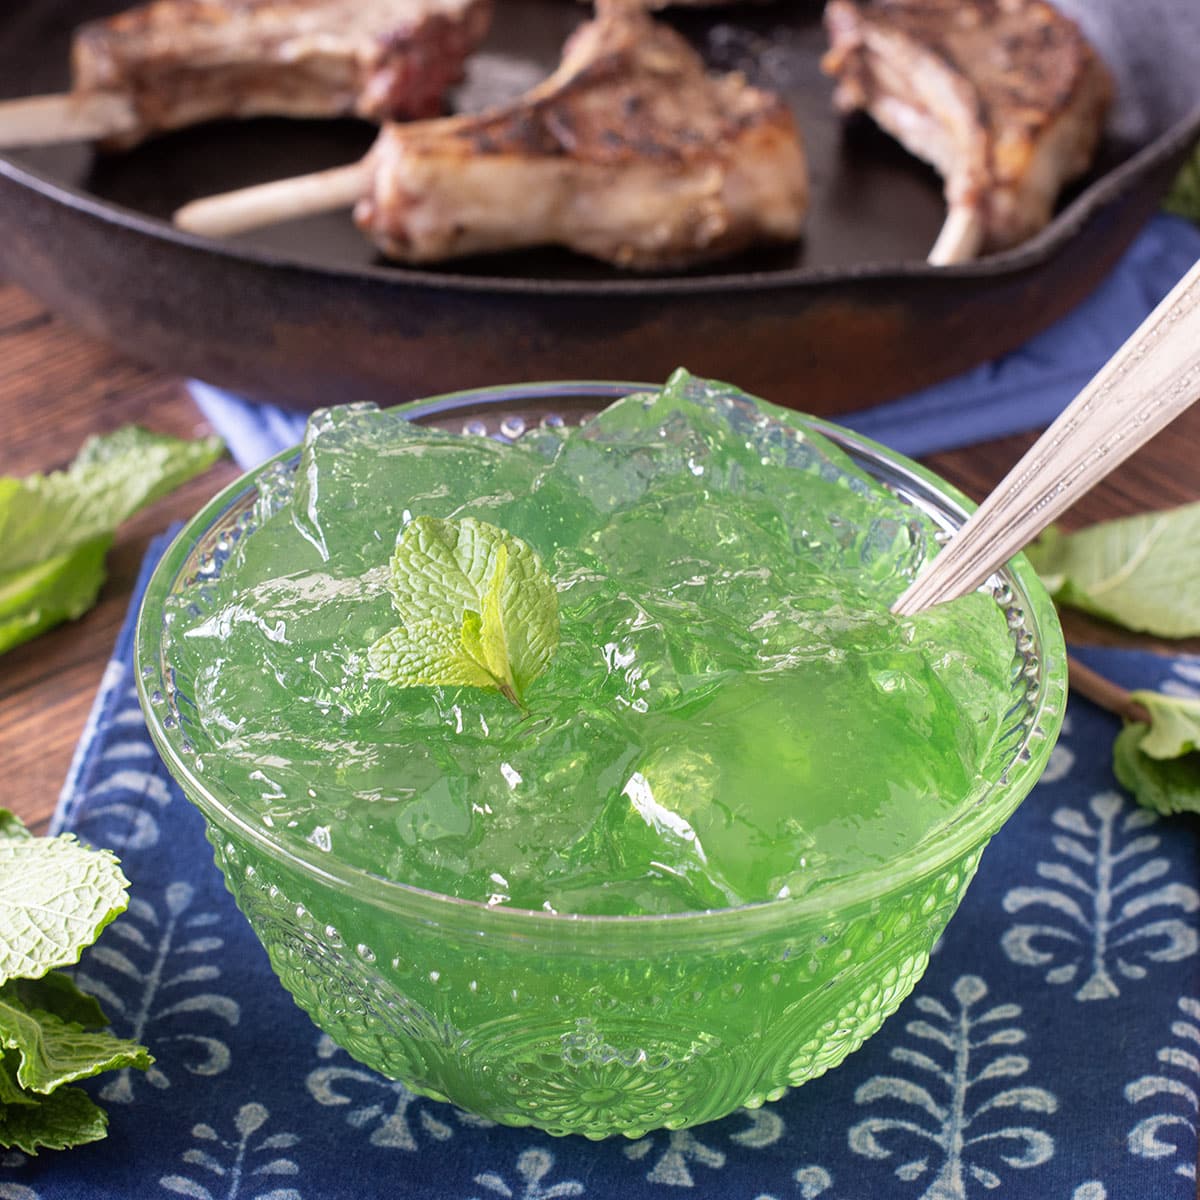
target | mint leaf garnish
[
  {"x": 56, "y": 528},
  {"x": 36, "y": 598},
  {"x": 1167, "y": 785},
  {"x": 1160, "y": 762},
  {"x": 11, "y": 826},
  {"x": 55, "y": 898},
  {"x": 56, "y": 993},
  {"x": 478, "y": 609},
  {"x": 1184, "y": 196},
  {"x": 53, "y": 1052},
  {"x": 67, "y": 1117},
  {"x": 1174, "y": 725},
  {"x": 1141, "y": 572}
]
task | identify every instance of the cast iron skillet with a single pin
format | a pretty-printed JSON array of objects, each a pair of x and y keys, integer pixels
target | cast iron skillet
[{"x": 305, "y": 314}]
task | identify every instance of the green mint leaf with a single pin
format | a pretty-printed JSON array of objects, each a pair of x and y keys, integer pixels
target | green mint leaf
[
  {"x": 11, "y": 826},
  {"x": 54, "y": 1052},
  {"x": 477, "y": 607},
  {"x": 1174, "y": 725},
  {"x": 1184, "y": 197},
  {"x": 42, "y": 516},
  {"x": 55, "y": 898},
  {"x": 63, "y": 1119},
  {"x": 34, "y": 599},
  {"x": 1166, "y": 785},
  {"x": 1140, "y": 572},
  {"x": 56, "y": 993},
  {"x": 427, "y": 653},
  {"x": 56, "y": 528},
  {"x": 11, "y": 1092}
]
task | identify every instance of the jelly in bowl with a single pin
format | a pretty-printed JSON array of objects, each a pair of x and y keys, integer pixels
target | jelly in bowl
[{"x": 708, "y": 851}]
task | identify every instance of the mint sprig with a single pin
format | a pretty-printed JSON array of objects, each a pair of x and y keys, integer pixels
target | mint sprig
[
  {"x": 1159, "y": 760},
  {"x": 478, "y": 609},
  {"x": 57, "y": 528},
  {"x": 1141, "y": 572},
  {"x": 55, "y": 898}
]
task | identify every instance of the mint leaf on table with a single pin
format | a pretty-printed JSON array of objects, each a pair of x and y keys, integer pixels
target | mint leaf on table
[
  {"x": 67, "y": 1117},
  {"x": 57, "y": 994},
  {"x": 56, "y": 528},
  {"x": 1160, "y": 762},
  {"x": 1140, "y": 572},
  {"x": 55, "y": 898},
  {"x": 52, "y": 1052},
  {"x": 1184, "y": 197},
  {"x": 11, "y": 827},
  {"x": 478, "y": 609},
  {"x": 1174, "y": 724},
  {"x": 1166, "y": 785},
  {"x": 36, "y": 598}
]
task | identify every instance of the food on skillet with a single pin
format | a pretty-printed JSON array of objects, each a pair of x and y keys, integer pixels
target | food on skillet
[
  {"x": 177, "y": 62},
  {"x": 630, "y": 152},
  {"x": 1004, "y": 98}
]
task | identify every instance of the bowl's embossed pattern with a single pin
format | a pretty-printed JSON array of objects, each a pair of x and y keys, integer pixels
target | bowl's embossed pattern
[{"x": 598, "y": 1065}]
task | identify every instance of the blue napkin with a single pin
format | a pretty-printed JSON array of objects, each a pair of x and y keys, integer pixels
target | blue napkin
[
  {"x": 1051, "y": 1050},
  {"x": 1024, "y": 390}
]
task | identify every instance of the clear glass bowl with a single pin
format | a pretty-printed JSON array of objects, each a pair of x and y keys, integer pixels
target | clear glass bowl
[{"x": 597, "y": 1025}]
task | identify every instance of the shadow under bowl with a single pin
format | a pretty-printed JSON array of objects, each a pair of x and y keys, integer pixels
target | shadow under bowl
[{"x": 598, "y": 1025}]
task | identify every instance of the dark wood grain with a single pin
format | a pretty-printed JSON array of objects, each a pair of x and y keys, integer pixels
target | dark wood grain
[{"x": 57, "y": 386}]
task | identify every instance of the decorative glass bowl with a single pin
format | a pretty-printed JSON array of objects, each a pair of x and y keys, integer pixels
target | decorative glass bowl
[{"x": 597, "y": 1025}]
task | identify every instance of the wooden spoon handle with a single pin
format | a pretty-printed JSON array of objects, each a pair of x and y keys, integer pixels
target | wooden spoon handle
[{"x": 1152, "y": 378}]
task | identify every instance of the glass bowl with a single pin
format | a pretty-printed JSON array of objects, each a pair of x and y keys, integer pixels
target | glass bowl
[{"x": 597, "y": 1025}]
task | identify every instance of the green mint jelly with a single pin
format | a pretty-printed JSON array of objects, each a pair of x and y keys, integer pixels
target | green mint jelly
[{"x": 732, "y": 715}]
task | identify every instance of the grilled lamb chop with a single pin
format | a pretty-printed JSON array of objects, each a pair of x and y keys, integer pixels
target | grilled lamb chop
[
  {"x": 177, "y": 62},
  {"x": 630, "y": 152},
  {"x": 1004, "y": 98}
]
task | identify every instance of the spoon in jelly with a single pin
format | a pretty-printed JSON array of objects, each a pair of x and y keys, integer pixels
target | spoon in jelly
[{"x": 1150, "y": 380}]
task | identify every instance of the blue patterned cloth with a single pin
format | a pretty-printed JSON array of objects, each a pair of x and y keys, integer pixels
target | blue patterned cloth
[
  {"x": 1052, "y": 1050},
  {"x": 1023, "y": 390}
]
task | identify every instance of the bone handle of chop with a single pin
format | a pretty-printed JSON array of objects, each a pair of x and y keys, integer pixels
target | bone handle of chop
[
  {"x": 960, "y": 238},
  {"x": 271, "y": 203},
  {"x": 71, "y": 117},
  {"x": 1150, "y": 380}
]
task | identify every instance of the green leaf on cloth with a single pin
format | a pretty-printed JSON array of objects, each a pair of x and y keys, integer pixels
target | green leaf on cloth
[
  {"x": 57, "y": 528},
  {"x": 1166, "y": 785},
  {"x": 58, "y": 994},
  {"x": 1174, "y": 724},
  {"x": 53, "y": 1052},
  {"x": 1184, "y": 197},
  {"x": 55, "y": 898},
  {"x": 66, "y": 1117},
  {"x": 1140, "y": 572}
]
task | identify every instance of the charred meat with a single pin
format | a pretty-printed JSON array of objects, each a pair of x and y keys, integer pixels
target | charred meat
[
  {"x": 1004, "y": 98},
  {"x": 182, "y": 61},
  {"x": 630, "y": 152}
]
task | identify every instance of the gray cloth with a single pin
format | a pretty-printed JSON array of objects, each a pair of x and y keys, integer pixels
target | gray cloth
[{"x": 1153, "y": 50}]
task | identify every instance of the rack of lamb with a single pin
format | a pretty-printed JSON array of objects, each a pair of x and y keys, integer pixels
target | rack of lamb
[
  {"x": 629, "y": 152},
  {"x": 1005, "y": 98}
]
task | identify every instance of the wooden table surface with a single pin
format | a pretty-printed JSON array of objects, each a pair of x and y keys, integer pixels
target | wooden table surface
[{"x": 58, "y": 386}]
